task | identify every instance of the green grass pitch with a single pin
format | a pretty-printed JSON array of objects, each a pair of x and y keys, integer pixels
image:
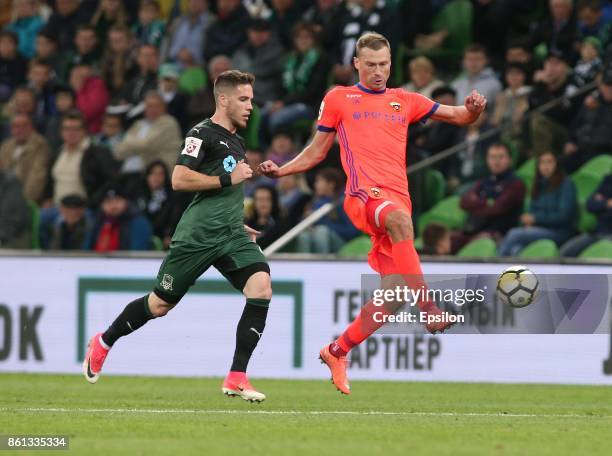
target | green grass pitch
[{"x": 147, "y": 416}]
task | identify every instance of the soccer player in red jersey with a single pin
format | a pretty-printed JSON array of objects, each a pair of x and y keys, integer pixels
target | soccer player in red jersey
[{"x": 371, "y": 122}]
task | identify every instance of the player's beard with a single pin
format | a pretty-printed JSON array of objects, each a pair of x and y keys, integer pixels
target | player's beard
[{"x": 237, "y": 119}]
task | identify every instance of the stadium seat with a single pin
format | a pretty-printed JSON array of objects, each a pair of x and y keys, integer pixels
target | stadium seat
[
  {"x": 435, "y": 188},
  {"x": 418, "y": 243},
  {"x": 157, "y": 244},
  {"x": 598, "y": 166},
  {"x": 526, "y": 172},
  {"x": 456, "y": 17},
  {"x": 543, "y": 248},
  {"x": 447, "y": 212},
  {"x": 479, "y": 248},
  {"x": 586, "y": 184},
  {"x": 34, "y": 224},
  {"x": 360, "y": 246},
  {"x": 251, "y": 132},
  {"x": 599, "y": 250}
]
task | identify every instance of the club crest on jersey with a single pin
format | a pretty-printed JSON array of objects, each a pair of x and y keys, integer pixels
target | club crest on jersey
[
  {"x": 376, "y": 192},
  {"x": 192, "y": 146},
  {"x": 396, "y": 106},
  {"x": 229, "y": 163},
  {"x": 166, "y": 282}
]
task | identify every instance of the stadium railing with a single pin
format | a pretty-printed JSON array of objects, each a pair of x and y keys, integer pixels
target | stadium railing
[{"x": 423, "y": 164}]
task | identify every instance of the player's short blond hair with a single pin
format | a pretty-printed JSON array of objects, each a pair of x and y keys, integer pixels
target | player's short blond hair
[{"x": 372, "y": 40}]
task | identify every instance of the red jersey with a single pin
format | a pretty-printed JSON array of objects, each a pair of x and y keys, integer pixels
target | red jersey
[{"x": 372, "y": 128}]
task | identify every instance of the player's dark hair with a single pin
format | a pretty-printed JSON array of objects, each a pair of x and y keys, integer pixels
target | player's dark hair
[
  {"x": 432, "y": 233},
  {"x": 231, "y": 79},
  {"x": 555, "y": 180},
  {"x": 372, "y": 40},
  {"x": 74, "y": 115}
]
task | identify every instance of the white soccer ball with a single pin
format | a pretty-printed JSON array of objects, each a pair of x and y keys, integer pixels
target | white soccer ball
[{"x": 517, "y": 286}]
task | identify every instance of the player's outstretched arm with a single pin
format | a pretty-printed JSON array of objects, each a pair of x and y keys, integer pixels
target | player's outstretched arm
[
  {"x": 474, "y": 105},
  {"x": 185, "y": 179},
  {"x": 308, "y": 158}
]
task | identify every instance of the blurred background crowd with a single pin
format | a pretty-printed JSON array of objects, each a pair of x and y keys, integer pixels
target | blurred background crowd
[{"x": 96, "y": 96}]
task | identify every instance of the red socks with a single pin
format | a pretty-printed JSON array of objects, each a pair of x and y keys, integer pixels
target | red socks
[{"x": 407, "y": 262}]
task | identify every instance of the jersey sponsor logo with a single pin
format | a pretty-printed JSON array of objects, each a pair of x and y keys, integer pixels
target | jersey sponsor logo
[
  {"x": 192, "y": 147},
  {"x": 396, "y": 106},
  {"x": 224, "y": 143},
  {"x": 256, "y": 332},
  {"x": 353, "y": 95},
  {"x": 229, "y": 163},
  {"x": 166, "y": 282},
  {"x": 321, "y": 110},
  {"x": 380, "y": 117}
]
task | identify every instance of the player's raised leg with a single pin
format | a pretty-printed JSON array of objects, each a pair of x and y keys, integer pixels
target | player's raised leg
[
  {"x": 135, "y": 315},
  {"x": 258, "y": 293}
]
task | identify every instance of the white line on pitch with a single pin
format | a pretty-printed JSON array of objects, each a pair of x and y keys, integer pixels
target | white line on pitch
[{"x": 298, "y": 412}]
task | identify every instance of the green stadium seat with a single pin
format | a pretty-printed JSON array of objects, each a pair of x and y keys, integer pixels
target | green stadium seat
[
  {"x": 598, "y": 166},
  {"x": 447, "y": 212},
  {"x": 251, "y": 132},
  {"x": 360, "y": 246},
  {"x": 435, "y": 188},
  {"x": 543, "y": 248},
  {"x": 599, "y": 250},
  {"x": 418, "y": 243},
  {"x": 34, "y": 224},
  {"x": 586, "y": 184},
  {"x": 456, "y": 17},
  {"x": 157, "y": 244},
  {"x": 479, "y": 248},
  {"x": 526, "y": 172}
]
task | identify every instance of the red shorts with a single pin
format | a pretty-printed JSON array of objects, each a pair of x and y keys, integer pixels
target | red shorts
[{"x": 369, "y": 217}]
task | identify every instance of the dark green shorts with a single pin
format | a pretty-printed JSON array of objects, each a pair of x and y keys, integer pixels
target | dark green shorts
[{"x": 237, "y": 259}]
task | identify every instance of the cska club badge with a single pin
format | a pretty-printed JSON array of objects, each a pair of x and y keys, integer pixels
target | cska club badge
[
  {"x": 375, "y": 192},
  {"x": 396, "y": 106}
]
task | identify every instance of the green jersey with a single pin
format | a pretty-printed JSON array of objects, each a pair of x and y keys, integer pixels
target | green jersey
[{"x": 213, "y": 215}]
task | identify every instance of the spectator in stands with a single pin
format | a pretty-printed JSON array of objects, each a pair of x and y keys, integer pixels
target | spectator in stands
[
  {"x": 149, "y": 29},
  {"x": 294, "y": 195},
  {"x": 552, "y": 210},
  {"x": 110, "y": 13},
  {"x": 91, "y": 96},
  {"x": 478, "y": 75},
  {"x": 592, "y": 21},
  {"x": 188, "y": 33},
  {"x": 46, "y": 49},
  {"x": 136, "y": 88},
  {"x": 436, "y": 240},
  {"x": 14, "y": 213},
  {"x": 157, "y": 202},
  {"x": 304, "y": 82},
  {"x": 68, "y": 230},
  {"x": 589, "y": 65},
  {"x": 228, "y": 32},
  {"x": 282, "y": 149},
  {"x": 513, "y": 102},
  {"x": 558, "y": 30},
  {"x": 325, "y": 15},
  {"x": 202, "y": 104},
  {"x": 62, "y": 25},
  {"x": 518, "y": 51},
  {"x": 493, "y": 203},
  {"x": 549, "y": 129},
  {"x": 23, "y": 101},
  {"x": 285, "y": 14},
  {"x": 119, "y": 225},
  {"x": 176, "y": 102},
  {"x": 40, "y": 79},
  {"x": 267, "y": 217},
  {"x": 111, "y": 133},
  {"x": 118, "y": 64},
  {"x": 155, "y": 137},
  {"x": 13, "y": 67},
  {"x": 87, "y": 51},
  {"x": 594, "y": 136},
  {"x": 26, "y": 24},
  {"x": 360, "y": 17},
  {"x": 81, "y": 168},
  {"x": 422, "y": 77},
  {"x": 26, "y": 154},
  {"x": 599, "y": 204},
  {"x": 263, "y": 56},
  {"x": 333, "y": 230},
  {"x": 64, "y": 103}
]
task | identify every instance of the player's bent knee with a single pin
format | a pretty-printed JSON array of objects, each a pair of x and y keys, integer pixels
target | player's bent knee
[
  {"x": 158, "y": 306},
  {"x": 399, "y": 225},
  {"x": 259, "y": 286}
]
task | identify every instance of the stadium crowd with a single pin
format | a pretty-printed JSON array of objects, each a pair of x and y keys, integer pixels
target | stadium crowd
[{"x": 96, "y": 97}]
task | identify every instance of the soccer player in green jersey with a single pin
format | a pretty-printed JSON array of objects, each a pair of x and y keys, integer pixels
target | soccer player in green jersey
[{"x": 211, "y": 232}]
